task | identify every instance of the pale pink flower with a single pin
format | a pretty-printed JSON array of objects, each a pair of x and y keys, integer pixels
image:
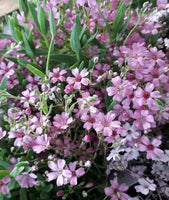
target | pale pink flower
[
  {"x": 2, "y": 133},
  {"x": 116, "y": 192},
  {"x": 79, "y": 78},
  {"x": 7, "y": 70},
  {"x": 29, "y": 96},
  {"x": 58, "y": 172},
  {"x": 75, "y": 173},
  {"x": 3, "y": 185},
  {"x": 130, "y": 132},
  {"x": 146, "y": 185},
  {"x": 162, "y": 4},
  {"x": 27, "y": 179},
  {"x": 57, "y": 75},
  {"x": 41, "y": 143},
  {"x": 61, "y": 122},
  {"x": 150, "y": 147},
  {"x": 33, "y": 82}
]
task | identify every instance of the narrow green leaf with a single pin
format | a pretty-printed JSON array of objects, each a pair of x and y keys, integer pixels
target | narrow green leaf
[
  {"x": 124, "y": 27},
  {"x": 52, "y": 23},
  {"x": 63, "y": 58},
  {"x": 35, "y": 71},
  {"x": 18, "y": 34},
  {"x": 101, "y": 54},
  {"x": 22, "y": 194},
  {"x": 82, "y": 32},
  {"x": 81, "y": 66},
  {"x": 42, "y": 21},
  {"x": 159, "y": 104},
  {"x": 23, "y": 7},
  {"x": 90, "y": 40},
  {"x": 4, "y": 164},
  {"x": 5, "y": 36},
  {"x": 16, "y": 171},
  {"x": 118, "y": 20},
  {"x": 12, "y": 29},
  {"x": 33, "y": 14},
  {"x": 44, "y": 81},
  {"x": 106, "y": 22},
  {"x": 75, "y": 65},
  {"x": 5, "y": 94},
  {"x": 45, "y": 106},
  {"x": 112, "y": 104},
  {"x": 27, "y": 47},
  {"x": 74, "y": 40},
  {"x": 3, "y": 84}
]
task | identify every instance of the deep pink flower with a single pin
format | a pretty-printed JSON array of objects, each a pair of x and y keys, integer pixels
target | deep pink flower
[
  {"x": 27, "y": 179},
  {"x": 115, "y": 191},
  {"x": 75, "y": 173},
  {"x": 68, "y": 88},
  {"x": 79, "y": 78},
  {"x": 3, "y": 185},
  {"x": 147, "y": 96},
  {"x": 58, "y": 172},
  {"x": 150, "y": 147},
  {"x": 57, "y": 75}
]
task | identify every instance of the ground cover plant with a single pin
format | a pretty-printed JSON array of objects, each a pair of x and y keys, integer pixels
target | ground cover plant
[{"x": 84, "y": 100}]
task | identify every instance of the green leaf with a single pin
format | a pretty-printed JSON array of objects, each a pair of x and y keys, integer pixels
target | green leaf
[
  {"x": 22, "y": 163},
  {"x": 3, "y": 173},
  {"x": 101, "y": 54},
  {"x": 75, "y": 65},
  {"x": 3, "y": 84},
  {"x": 35, "y": 71},
  {"x": 24, "y": 63},
  {"x": 52, "y": 23},
  {"x": 5, "y": 94},
  {"x": 48, "y": 188},
  {"x": 5, "y": 36},
  {"x": 82, "y": 32},
  {"x": 11, "y": 184},
  {"x": 124, "y": 27},
  {"x": 106, "y": 22},
  {"x": 23, "y": 7},
  {"x": 74, "y": 40},
  {"x": 18, "y": 34},
  {"x": 42, "y": 19},
  {"x": 118, "y": 20},
  {"x": 63, "y": 58},
  {"x": 112, "y": 104},
  {"x": 159, "y": 104},
  {"x": 33, "y": 14},
  {"x": 28, "y": 49},
  {"x": 44, "y": 81},
  {"x": 90, "y": 40},
  {"x": 23, "y": 194},
  {"x": 16, "y": 171},
  {"x": 81, "y": 66},
  {"x": 12, "y": 29},
  {"x": 108, "y": 99},
  {"x": 45, "y": 105}
]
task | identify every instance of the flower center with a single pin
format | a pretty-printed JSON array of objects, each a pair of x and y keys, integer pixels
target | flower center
[
  {"x": 146, "y": 95},
  {"x": 78, "y": 78},
  {"x": 150, "y": 147}
]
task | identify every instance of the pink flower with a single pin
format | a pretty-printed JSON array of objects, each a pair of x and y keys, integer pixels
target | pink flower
[
  {"x": 147, "y": 96},
  {"x": 120, "y": 90},
  {"x": 79, "y": 78},
  {"x": 106, "y": 123},
  {"x": 75, "y": 173},
  {"x": 68, "y": 88},
  {"x": 7, "y": 70},
  {"x": 29, "y": 96},
  {"x": 58, "y": 172},
  {"x": 27, "y": 179},
  {"x": 2, "y": 133},
  {"x": 162, "y": 4},
  {"x": 116, "y": 191},
  {"x": 143, "y": 119},
  {"x": 62, "y": 121},
  {"x": 150, "y": 147},
  {"x": 41, "y": 143},
  {"x": 56, "y": 75},
  {"x": 145, "y": 186},
  {"x": 3, "y": 185}
]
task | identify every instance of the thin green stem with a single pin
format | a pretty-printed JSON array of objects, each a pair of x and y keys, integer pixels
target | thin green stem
[{"x": 48, "y": 58}]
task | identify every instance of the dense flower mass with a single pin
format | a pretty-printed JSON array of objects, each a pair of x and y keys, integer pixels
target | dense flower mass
[{"x": 84, "y": 100}]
